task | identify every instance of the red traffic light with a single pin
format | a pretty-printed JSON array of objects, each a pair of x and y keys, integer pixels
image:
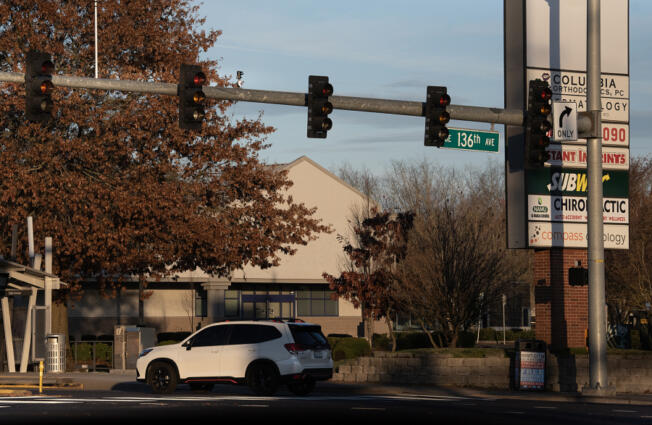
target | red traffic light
[
  {"x": 47, "y": 67},
  {"x": 444, "y": 100},
  {"x": 545, "y": 93},
  {"x": 327, "y": 89},
  {"x": 199, "y": 79}
]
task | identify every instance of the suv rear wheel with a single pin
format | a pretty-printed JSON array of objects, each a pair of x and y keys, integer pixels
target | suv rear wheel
[
  {"x": 263, "y": 379},
  {"x": 162, "y": 377}
]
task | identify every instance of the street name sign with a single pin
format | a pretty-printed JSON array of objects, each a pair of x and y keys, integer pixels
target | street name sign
[{"x": 476, "y": 140}]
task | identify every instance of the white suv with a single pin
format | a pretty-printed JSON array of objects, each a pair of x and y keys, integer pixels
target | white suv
[{"x": 261, "y": 354}]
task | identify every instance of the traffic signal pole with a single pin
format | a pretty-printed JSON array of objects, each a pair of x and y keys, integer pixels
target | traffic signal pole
[
  {"x": 597, "y": 315},
  {"x": 383, "y": 106}
]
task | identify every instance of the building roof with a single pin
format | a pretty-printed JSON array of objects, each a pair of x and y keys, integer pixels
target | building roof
[{"x": 304, "y": 158}]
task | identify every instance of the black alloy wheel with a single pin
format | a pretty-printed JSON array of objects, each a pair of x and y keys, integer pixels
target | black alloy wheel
[
  {"x": 263, "y": 379},
  {"x": 162, "y": 378}
]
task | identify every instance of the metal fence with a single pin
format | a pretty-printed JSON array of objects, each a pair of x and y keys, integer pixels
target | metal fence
[{"x": 92, "y": 355}]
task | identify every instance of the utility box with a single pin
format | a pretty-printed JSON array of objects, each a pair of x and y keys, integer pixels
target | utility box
[
  {"x": 128, "y": 342},
  {"x": 529, "y": 365}
]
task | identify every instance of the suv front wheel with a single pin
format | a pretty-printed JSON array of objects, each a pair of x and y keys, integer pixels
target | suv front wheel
[
  {"x": 263, "y": 379},
  {"x": 162, "y": 377}
]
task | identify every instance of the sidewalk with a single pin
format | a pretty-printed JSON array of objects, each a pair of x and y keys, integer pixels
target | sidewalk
[{"x": 118, "y": 380}]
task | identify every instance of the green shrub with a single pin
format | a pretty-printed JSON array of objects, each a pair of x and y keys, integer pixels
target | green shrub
[
  {"x": 488, "y": 334},
  {"x": 645, "y": 337},
  {"x": 168, "y": 342},
  {"x": 381, "y": 342},
  {"x": 466, "y": 339},
  {"x": 103, "y": 353},
  {"x": 635, "y": 339},
  {"x": 411, "y": 340},
  {"x": 83, "y": 352},
  {"x": 350, "y": 348}
]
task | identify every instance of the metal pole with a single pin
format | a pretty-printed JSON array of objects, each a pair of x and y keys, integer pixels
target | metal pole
[
  {"x": 597, "y": 326},
  {"x": 384, "y": 106},
  {"x": 504, "y": 298},
  {"x": 96, "y": 67},
  {"x": 30, "y": 240}
]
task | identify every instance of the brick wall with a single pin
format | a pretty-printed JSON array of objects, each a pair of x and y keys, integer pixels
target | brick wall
[
  {"x": 561, "y": 310},
  {"x": 628, "y": 373}
]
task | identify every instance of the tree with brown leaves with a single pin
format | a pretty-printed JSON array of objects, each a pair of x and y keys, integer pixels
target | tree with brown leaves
[
  {"x": 629, "y": 272},
  {"x": 372, "y": 284},
  {"x": 121, "y": 189}
]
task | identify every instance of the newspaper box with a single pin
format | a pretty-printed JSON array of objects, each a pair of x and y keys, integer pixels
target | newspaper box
[{"x": 530, "y": 365}]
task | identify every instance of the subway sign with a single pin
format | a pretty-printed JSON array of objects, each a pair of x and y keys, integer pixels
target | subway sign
[{"x": 574, "y": 182}]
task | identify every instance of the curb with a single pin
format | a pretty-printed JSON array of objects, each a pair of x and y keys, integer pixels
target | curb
[
  {"x": 14, "y": 393},
  {"x": 64, "y": 386}
]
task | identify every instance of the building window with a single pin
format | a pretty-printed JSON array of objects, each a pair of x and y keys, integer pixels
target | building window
[
  {"x": 268, "y": 301},
  {"x": 231, "y": 303},
  {"x": 315, "y": 300},
  {"x": 201, "y": 303}
]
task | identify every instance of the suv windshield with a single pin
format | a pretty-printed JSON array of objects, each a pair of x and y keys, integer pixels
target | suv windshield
[{"x": 309, "y": 336}]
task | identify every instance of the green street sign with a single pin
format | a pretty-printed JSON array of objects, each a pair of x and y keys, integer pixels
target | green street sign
[{"x": 475, "y": 140}]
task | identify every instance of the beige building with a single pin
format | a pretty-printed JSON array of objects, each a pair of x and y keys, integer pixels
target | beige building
[{"x": 294, "y": 289}]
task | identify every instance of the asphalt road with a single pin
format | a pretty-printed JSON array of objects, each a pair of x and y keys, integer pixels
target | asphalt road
[{"x": 228, "y": 404}]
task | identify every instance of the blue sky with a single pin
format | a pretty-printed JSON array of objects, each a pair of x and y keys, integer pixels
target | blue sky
[{"x": 392, "y": 50}]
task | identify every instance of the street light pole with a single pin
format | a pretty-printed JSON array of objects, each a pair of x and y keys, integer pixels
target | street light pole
[{"x": 597, "y": 319}]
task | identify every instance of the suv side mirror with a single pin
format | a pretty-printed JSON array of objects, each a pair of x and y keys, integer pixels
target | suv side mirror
[{"x": 187, "y": 344}]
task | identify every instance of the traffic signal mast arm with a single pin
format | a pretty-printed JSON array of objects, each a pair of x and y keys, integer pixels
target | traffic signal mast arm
[{"x": 384, "y": 106}]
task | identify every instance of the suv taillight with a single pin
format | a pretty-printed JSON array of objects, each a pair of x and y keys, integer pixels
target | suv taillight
[{"x": 295, "y": 348}]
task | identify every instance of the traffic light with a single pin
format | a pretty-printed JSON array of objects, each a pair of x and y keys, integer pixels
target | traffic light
[
  {"x": 191, "y": 97},
  {"x": 319, "y": 107},
  {"x": 38, "y": 87},
  {"x": 436, "y": 116},
  {"x": 537, "y": 124}
]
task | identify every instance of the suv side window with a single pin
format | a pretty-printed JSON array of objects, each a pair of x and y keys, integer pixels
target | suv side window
[
  {"x": 214, "y": 335},
  {"x": 252, "y": 334}
]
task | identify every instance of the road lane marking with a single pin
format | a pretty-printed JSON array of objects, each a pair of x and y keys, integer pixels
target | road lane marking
[
  {"x": 624, "y": 411},
  {"x": 37, "y": 402},
  {"x": 423, "y": 398},
  {"x": 254, "y": 405}
]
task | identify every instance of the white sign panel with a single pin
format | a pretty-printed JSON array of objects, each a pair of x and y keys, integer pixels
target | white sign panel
[
  {"x": 573, "y": 209},
  {"x": 556, "y": 34},
  {"x": 574, "y": 235},
  {"x": 574, "y": 156},
  {"x": 571, "y": 87},
  {"x": 564, "y": 121},
  {"x": 614, "y": 134}
]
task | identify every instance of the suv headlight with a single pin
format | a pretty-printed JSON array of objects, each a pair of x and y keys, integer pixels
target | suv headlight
[{"x": 145, "y": 352}]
